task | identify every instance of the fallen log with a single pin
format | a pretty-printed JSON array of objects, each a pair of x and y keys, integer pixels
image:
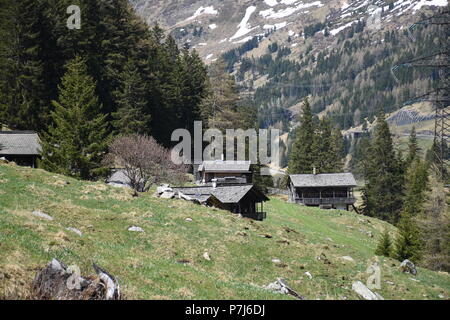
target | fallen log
[{"x": 58, "y": 282}]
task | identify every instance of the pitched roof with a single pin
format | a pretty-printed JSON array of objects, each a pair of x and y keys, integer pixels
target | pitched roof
[
  {"x": 225, "y": 194},
  {"x": 323, "y": 180},
  {"x": 225, "y": 166},
  {"x": 19, "y": 143}
]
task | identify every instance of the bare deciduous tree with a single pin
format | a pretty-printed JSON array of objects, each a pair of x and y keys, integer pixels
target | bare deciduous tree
[{"x": 144, "y": 162}]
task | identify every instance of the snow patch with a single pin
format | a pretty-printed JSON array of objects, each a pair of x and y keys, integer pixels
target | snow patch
[
  {"x": 272, "y": 14},
  {"x": 203, "y": 10},
  {"x": 244, "y": 26},
  {"x": 213, "y": 26}
]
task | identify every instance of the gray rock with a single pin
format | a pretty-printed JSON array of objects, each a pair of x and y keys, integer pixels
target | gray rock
[
  {"x": 348, "y": 258},
  {"x": 42, "y": 215},
  {"x": 135, "y": 229},
  {"x": 281, "y": 286},
  {"x": 408, "y": 267},
  {"x": 365, "y": 292},
  {"x": 308, "y": 274},
  {"x": 78, "y": 232}
]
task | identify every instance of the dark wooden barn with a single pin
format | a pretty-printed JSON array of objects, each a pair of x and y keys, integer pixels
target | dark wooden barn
[
  {"x": 225, "y": 172},
  {"x": 328, "y": 191},
  {"x": 22, "y": 147},
  {"x": 240, "y": 199}
]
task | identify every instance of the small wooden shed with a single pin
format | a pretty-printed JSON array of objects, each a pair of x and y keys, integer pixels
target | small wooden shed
[
  {"x": 22, "y": 147},
  {"x": 328, "y": 191}
]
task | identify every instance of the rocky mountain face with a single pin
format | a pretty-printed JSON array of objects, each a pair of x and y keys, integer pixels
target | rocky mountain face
[
  {"x": 342, "y": 54},
  {"x": 215, "y": 26}
]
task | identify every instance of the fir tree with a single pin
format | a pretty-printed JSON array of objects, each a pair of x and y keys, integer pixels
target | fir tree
[
  {"x": 302, "y": 158},
  {"x": 415, "y": 188},
  {"x": 383, "y": 192},
  {"x": 384, "y": 247},
  {"x": 413, "y": 148},
  {"x": 408, "y": 244},
  {"x": 77, "y": 142},
  {"x": 130, "y": 117}
]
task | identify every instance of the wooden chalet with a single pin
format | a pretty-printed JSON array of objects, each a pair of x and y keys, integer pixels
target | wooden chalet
[
  {"x": 327, "y": 191},
  {"x": 225, "y": 172},
  {"x": 22, "y": 147},
  {"x": 240, "y": 199}
]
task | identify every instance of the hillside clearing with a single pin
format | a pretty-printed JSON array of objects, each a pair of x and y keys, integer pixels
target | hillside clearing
[{"x": 166, "y": 261}]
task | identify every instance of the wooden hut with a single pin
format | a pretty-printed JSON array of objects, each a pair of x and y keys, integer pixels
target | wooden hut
[
  {"x": 226, "y": 172},
  {"x": 22, "y": 147},
  {"x": 240, "y": 199},
  {"x": 327, "y": 191}
]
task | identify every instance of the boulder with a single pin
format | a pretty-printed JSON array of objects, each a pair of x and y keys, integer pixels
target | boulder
[
  {"x": 365, "y": 292},
  {"x": 308, "y": 274},
  {"x": 408, "y": 267},
  {"x": 348, "y": 258},
  {"x": 135, "y": 229},
  {"x": 206, "y": 256},
  {"x": 74, "y": 230},
  {"x": 42, "y": 215}
]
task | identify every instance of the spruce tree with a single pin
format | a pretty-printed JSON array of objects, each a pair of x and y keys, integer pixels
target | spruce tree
[
  {"x": 130, "y": 117},
  {"x": 416, "y": 187},
  {"x": 76, "y": 143},
  {"x": 408, "y": 244},
  {"x": 384, "y": 247},
  {"x": 413, "y": 148},
  {"x": 302, "y": 157},
  {"x": 383, "y": 190}
]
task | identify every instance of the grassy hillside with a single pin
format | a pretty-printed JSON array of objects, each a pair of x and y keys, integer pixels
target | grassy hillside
[{"x": 166, "y": 261}]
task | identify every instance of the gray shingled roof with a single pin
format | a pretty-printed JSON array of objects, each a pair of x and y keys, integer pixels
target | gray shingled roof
[
  {"x": 225, "y": 194},
  {"x": 225, "y": 166},
  {"x": 19, "y": 143},
  {"x": 323, "y": 180}
]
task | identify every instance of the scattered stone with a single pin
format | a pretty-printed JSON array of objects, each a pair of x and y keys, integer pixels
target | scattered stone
[
  {"x": 286, "y": 242},
  {"x": 329, "y": 239},
  {"x": 188, "y": 220},
  {"x": 308, "y": 274},
  {"x": 183, "y": 261},
  {"x": 267, "y": 236},
  {"x": 206, "y": 256},
  {"x": 289, "y": 230},
  {"x": 42, "y": 215},
  {"x": 390, "y": 283},
  {"x": 282, "y": 287},
  {"x": 241, "y": 233},
  {"x": 368, "y": 233},
  {"x": 408, "y": 267},
  {"x": 276, "y": 261},
  {"x": 348, "y": 258},
  {"x": 415, "y": 280},
  {"x": 135, "y": 229},
  {"x": 441, "y": 296},
  {"x": 78, "y": 232},
  {"x": 365, "y": 292}
]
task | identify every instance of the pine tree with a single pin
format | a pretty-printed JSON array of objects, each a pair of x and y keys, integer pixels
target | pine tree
[
  {"x": 21, "y": 68},
  {"x": 384, "y": 247},
  {"x": 383, "y": 191},
  {"x": 413, "y": 148},
  {"x": 77, "y": 142},
  {"x": 415, "y": 188},
  {"x": 130, "y": 117},
  {"x": 408, "y": 244},
  {"x": 301, "y": 157}
]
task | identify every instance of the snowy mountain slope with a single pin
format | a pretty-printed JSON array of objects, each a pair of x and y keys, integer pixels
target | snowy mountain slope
[{"x": 215, "y": 26}]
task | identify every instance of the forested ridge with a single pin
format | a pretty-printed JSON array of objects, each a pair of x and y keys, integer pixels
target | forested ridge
[{"x": 351, "y": 79}]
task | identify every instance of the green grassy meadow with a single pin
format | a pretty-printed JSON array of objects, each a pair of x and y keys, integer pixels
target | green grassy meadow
[{"x": 167, "y": 262}]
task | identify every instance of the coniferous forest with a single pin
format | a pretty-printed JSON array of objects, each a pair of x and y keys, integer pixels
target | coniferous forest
[{"x": 92, "y": 92}]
